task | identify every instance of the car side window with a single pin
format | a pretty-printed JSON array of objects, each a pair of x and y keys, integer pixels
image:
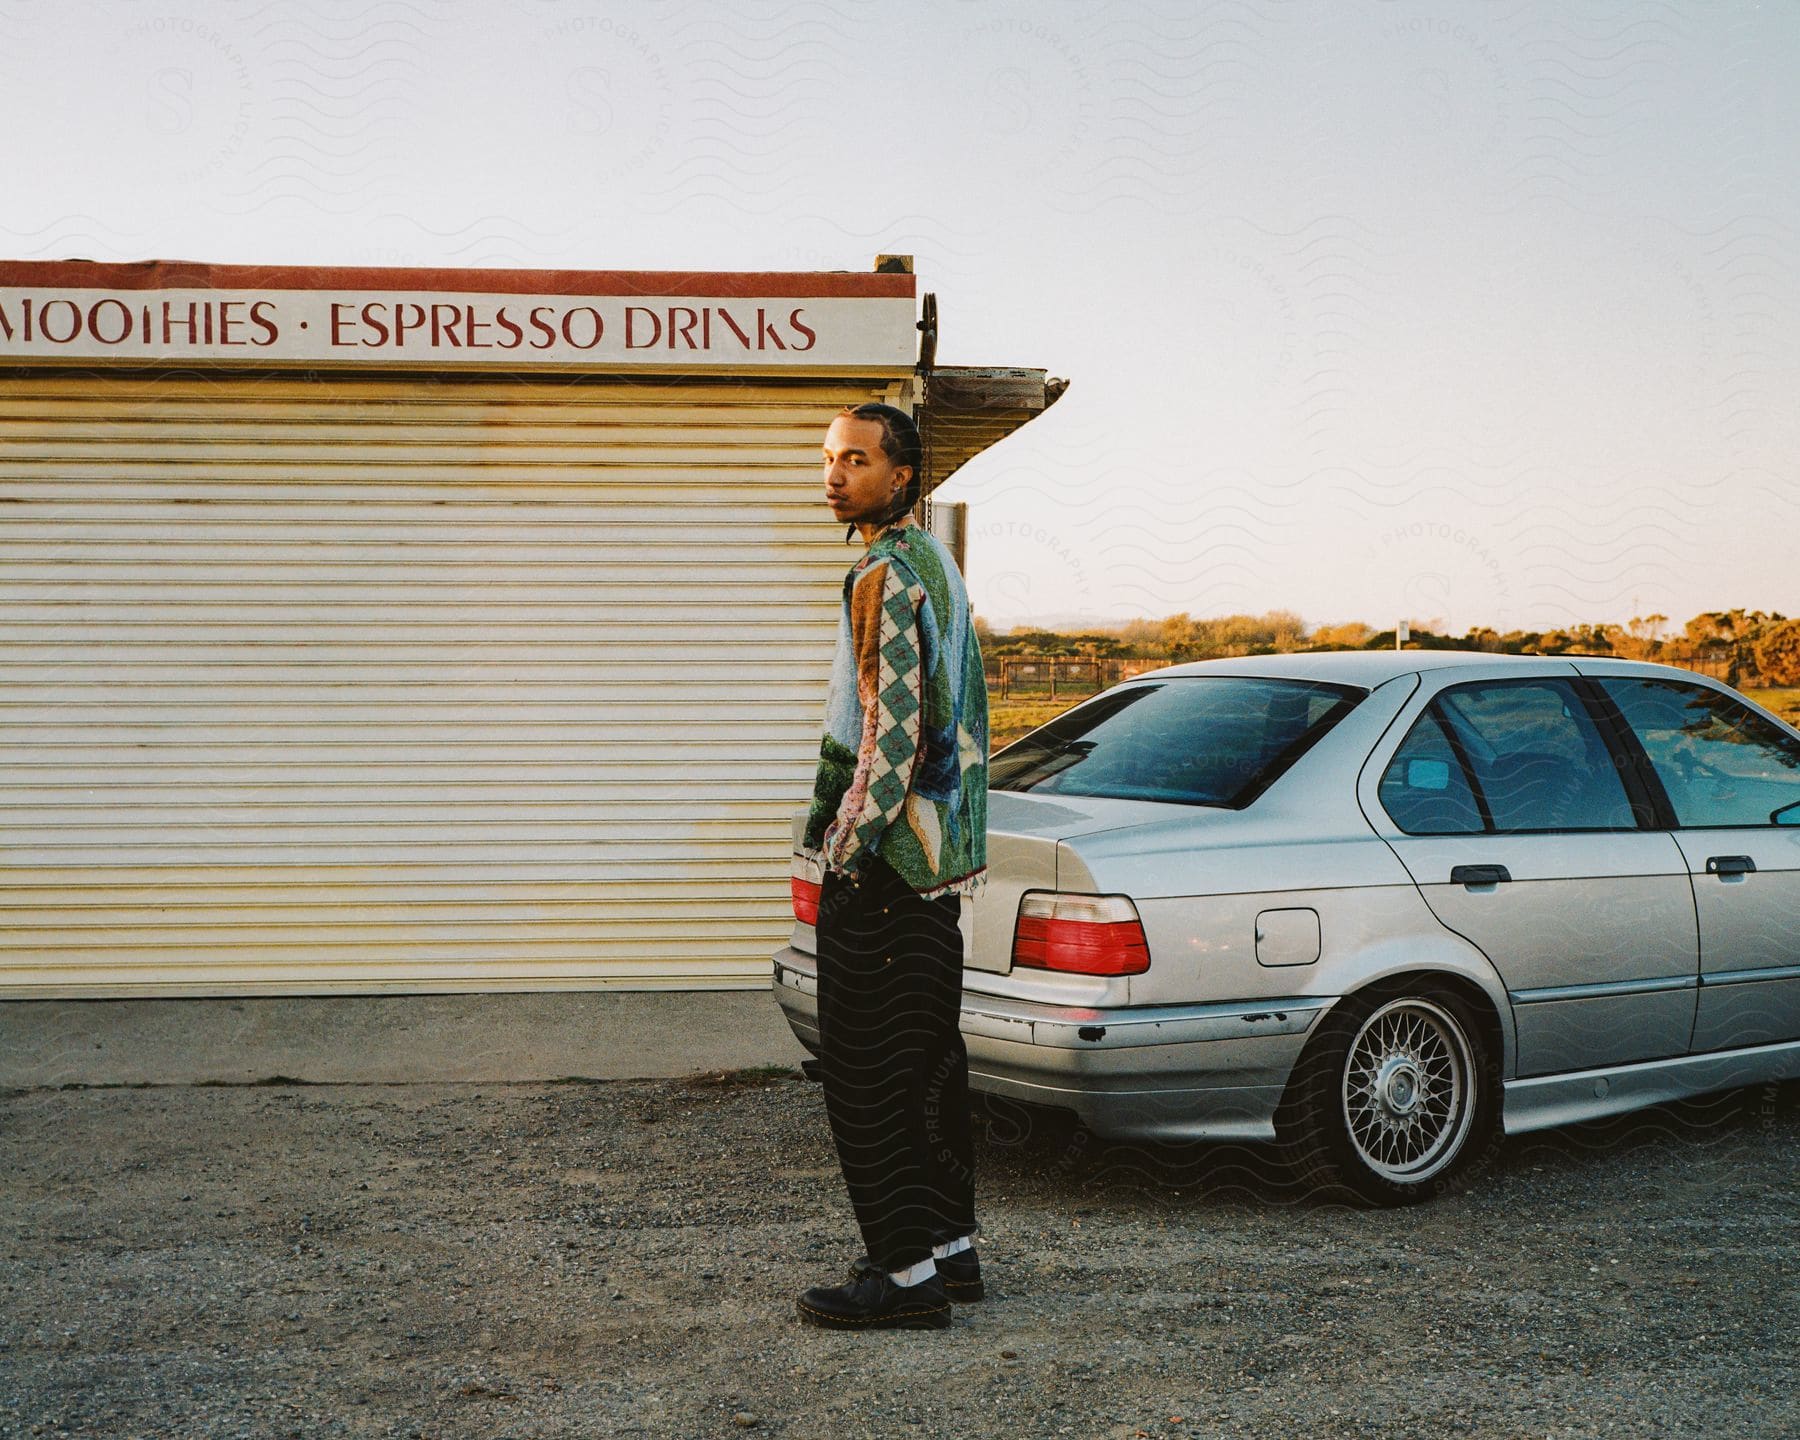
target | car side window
[
  {"x": 1539, "y": 760},
  {"x": 1720, "y": 762},
  {"x": 1505, "y": 756},
  {"x": 1424, "y": 787}
]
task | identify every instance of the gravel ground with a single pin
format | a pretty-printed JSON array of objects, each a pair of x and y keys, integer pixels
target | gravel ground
[{"x": 621, "y": 1259}]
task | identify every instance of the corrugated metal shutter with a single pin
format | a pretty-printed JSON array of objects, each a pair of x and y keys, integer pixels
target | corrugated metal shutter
[{"x": 395, "y": 683}]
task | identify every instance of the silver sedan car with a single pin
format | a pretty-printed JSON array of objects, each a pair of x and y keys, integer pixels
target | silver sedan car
[{"x": 1381, "y": 907}]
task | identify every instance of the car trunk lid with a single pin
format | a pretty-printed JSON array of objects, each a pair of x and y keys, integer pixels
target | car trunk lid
[{"x": 1022, "y": 836}]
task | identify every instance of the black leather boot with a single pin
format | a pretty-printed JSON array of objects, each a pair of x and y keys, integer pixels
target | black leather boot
[{"x": 872, "y": 1301}]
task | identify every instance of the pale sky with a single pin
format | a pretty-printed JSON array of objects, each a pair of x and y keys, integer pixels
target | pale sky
[{"x": 1481, "y": 313}]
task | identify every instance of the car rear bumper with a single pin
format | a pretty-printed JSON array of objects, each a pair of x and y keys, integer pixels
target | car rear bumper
[{"x": 1151, "y": 1072}]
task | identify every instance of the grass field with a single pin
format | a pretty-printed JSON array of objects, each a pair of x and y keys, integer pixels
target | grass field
[{"x": 1009, "y": 719}]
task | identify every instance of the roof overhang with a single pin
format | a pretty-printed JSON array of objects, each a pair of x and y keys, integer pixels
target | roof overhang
[{"x": 967, "y": 408}]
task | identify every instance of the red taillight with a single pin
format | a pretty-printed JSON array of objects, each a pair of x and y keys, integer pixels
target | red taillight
[
  {"x": 804, "y": 884},
  {"x": 1080, "y": 934}
]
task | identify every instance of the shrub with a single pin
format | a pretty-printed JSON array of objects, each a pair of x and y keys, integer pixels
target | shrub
[{"x": 1778, "y": 653}]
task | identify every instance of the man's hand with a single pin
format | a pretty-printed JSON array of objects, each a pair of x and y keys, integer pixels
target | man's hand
[{"x": 836, "y": 843}]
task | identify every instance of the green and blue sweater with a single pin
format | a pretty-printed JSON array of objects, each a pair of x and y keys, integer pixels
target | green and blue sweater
[{"x": 903, "y": 761}]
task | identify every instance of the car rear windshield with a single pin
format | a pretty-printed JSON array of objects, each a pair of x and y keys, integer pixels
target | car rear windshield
[{"x": 1193, "y": 740}]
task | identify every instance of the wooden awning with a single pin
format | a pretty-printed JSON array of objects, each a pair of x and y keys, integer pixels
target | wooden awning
[{"x": 970, "y": 407}]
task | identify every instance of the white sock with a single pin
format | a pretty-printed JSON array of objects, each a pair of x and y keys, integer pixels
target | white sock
[
  {"x": 954, "y": 1247},
  {"x": 913, "y": 1274}
]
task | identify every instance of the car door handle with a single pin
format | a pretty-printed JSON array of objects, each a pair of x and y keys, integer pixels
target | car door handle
[
  {"x": 1479, "y": 875},
  {"x": 1729, "y": 865}
]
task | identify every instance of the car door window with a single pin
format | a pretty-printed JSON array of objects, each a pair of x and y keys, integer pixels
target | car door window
[
  {"x": 1519, "y": 756},
  {"x": 1720, "y": 762},
  {"x": 1538, "y": 758},
  {"x": 1425, "y": 787}
]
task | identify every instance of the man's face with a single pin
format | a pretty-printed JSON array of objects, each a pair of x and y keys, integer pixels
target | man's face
[{"x": 860, "y": 480}]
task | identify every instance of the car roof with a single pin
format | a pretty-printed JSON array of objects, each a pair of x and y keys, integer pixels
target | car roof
[{"x": 1374, "y": 667}]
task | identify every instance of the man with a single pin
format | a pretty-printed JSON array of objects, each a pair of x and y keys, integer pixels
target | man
[{"x": 899, "y": 825}]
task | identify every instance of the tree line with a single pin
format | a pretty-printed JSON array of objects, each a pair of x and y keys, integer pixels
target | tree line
[{"x": 1753, "y": 646}]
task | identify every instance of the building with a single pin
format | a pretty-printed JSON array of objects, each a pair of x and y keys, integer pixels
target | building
[{"x": 384, "y": 630}]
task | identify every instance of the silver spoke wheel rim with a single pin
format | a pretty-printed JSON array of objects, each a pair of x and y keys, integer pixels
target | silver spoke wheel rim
[{"x": 1407, "y": 1090}]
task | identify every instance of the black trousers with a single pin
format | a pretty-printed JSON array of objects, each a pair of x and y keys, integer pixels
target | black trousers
[{"x": 895, "y": 1071}]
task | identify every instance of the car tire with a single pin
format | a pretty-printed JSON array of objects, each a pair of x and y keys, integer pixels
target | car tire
[{"x": 1395, "y": 1099}]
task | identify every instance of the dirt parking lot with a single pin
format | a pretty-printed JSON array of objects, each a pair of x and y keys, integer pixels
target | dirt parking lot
[{"x": 621, "y": 1259}]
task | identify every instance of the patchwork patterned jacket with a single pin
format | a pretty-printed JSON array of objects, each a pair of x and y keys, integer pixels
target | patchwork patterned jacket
[{"x": 903, "y": 762}]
